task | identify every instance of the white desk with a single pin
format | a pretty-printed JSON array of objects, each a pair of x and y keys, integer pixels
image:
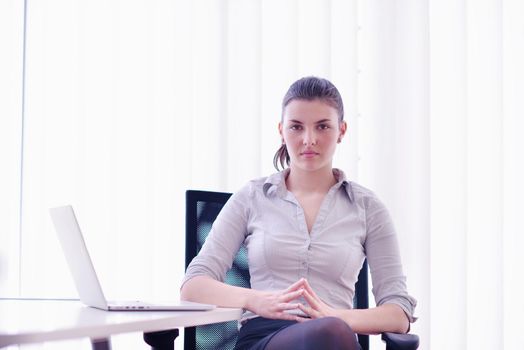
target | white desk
[{"x": 30, "y": 321}]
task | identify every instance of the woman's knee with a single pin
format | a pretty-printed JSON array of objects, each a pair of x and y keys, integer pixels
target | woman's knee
[{"x": 333, "y": 330}]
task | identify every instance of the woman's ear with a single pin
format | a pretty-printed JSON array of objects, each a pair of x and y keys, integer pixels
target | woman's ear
[
  {"x": 280, "y": 130},
  {"x": 343, "y": 129}
]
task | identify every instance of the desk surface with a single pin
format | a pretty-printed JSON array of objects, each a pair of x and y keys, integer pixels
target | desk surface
[{"x": 30, "y": 321}]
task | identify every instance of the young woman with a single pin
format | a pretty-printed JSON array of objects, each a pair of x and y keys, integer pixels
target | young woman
[{"x": 307, "y": 231}]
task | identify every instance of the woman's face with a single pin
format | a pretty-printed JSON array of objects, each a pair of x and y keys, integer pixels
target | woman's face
[{"x": 311, "y": 130}]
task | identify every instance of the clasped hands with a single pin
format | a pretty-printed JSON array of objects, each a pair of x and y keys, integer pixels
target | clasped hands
[{"x": 275, "y": 304}]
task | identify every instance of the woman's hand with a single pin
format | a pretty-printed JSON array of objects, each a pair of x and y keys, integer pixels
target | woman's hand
[
  {"x": 316, "y": 308},
  {"x": 275, "y": 304}
]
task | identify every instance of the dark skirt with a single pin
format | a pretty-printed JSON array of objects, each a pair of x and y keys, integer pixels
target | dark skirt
[{"x": 257, "y": 332}]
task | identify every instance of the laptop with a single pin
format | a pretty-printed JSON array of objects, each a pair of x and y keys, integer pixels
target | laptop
[{"x": 84, "y": 275}]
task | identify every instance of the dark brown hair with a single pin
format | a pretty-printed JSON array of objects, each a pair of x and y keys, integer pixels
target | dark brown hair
[{"x": 308, "y": 89}]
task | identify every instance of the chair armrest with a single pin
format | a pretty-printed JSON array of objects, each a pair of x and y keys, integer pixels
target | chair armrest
[{"x": 397, "y": 341}]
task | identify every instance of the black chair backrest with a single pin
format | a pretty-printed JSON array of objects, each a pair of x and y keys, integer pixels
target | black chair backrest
[{"x": 202, "y": 208}]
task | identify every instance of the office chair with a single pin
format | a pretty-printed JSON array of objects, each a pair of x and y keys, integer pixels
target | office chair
[{"x": 202, "y": 207}]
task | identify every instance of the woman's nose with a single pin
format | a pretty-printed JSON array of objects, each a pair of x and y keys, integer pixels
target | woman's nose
[{"x": 309, "y": 138}]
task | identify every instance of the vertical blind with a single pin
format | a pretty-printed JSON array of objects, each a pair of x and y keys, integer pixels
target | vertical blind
[
  {"x": 11, "y": 72},
  {"x": 476, "y": 267},
  {"x": 119, "y": 107}
]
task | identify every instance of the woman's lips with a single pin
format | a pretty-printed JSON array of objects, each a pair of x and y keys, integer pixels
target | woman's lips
[{"x": 308, "y": 154}]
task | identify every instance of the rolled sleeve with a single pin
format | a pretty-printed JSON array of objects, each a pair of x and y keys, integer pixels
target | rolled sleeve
[{"x": 383, "y": 254}]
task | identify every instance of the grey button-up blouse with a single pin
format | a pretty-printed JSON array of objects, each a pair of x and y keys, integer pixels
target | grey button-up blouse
[{"x": 352, "y": 224}]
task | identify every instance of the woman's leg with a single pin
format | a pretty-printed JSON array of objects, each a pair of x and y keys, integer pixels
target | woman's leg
[{"x": 328, "y": 333}]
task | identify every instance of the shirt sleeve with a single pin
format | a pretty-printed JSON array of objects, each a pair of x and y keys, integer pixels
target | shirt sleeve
[
  {"x": 224, "y": 240},
  {"x": 383, "y": 255}
]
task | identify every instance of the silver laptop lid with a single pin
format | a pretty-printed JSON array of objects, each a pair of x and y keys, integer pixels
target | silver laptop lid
[{"x": 77, "y": 257}]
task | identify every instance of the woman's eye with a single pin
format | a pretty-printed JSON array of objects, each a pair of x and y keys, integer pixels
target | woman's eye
[
  {"x": 296, "y": 127},
  {"x": 323, "y": 126}
]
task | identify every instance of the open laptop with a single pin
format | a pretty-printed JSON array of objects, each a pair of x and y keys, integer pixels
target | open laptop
[{"x": 83, "y": 271}]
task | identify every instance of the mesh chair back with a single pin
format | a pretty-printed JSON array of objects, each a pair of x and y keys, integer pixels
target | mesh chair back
[{"x": 202, "y": 208}]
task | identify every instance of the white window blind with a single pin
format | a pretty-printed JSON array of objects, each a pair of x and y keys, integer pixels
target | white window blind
[{"x": 126, "y": 105}]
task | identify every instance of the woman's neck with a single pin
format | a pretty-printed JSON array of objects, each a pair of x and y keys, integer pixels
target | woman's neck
[{"x": 318, "y": 181}]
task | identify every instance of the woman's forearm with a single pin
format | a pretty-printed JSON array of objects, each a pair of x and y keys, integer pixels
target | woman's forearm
[
  {"x": 203, "y": 289},
  {"x": 273, "y": 305},
  {"x": 206, "y": 290},
  {"x": 384, "y": 318}
]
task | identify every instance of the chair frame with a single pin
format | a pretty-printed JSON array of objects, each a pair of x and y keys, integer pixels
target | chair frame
[{"x": 192, "y": 198}]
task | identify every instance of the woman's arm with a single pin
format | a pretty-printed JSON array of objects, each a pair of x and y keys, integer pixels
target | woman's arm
[
  {"x": 204, "y": 289},
  {"x": 388, "y": 279},
  {"x": 383, "y": 318}
]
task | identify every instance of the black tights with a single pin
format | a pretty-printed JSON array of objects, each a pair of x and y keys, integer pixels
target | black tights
[{"x": 328, "y": 333}]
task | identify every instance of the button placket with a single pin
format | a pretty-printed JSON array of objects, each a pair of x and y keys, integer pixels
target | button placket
[
  {"x": 324, "y": 209},
  {"x": 301, "y": 219}
]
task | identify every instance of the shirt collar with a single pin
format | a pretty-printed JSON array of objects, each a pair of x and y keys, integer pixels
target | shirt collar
[
  {"x": 275, "y": 184},
  {"x": 340, "y": 176}
]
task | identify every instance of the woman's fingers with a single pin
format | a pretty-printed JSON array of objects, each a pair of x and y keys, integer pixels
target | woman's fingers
[
  {"x": 279, "y": 304},
  {"x": 288, "y": 306},
  {"x": 307, "y": 287},
  {"x": 287, "y": 316},
  {"x": 295, "y": 286},
  {"x": 292, "y": 295},
  {"x": 309, "y": 311},
  {"x": 301, "y": 284},
  {"x": 312, "y": 301}
]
